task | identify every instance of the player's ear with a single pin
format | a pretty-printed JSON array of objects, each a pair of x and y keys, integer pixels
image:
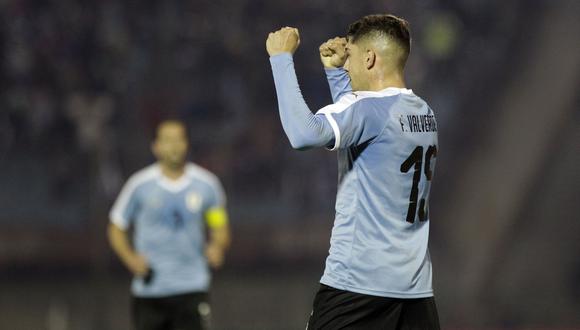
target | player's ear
[{"x": 370, "y": 59}]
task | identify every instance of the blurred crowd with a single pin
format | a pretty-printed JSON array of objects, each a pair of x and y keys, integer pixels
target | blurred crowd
[{"x": 83, "y": 83}]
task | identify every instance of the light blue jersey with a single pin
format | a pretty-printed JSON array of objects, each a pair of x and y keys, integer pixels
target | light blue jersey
[
  {"x": 169, "y": 227},
  {"x": 387, "y": 146}
]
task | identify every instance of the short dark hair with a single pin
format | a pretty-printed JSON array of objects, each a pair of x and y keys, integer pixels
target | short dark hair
[{"x": 388, "y": 25}]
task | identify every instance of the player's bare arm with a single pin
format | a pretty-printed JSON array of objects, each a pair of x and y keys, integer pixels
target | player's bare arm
[
  {"x": 217, "y": 246},
  {"x": 333, "y": 53},
  {"x": 119, "y": 240},
  {"x": 285, "y": 40}
]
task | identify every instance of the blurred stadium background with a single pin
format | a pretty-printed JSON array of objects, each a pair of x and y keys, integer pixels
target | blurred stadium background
[{"x": 83, "y": 83}]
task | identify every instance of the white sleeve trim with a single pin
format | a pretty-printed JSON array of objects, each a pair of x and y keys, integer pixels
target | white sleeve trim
[
  {"x": 118, "y": 220},
  {"x": 344, "y": 103},
  {"x": 335, "y": 129},
  {"x": 116, "y": 215}
]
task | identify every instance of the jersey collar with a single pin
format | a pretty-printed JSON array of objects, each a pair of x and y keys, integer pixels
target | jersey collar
[
  {"x": 389, "y": 91},
  {"x": 173, "y": 186}
]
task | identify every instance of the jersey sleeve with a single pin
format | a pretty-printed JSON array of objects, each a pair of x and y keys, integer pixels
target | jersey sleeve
[
  {"x": 353, "y": 122},
  {"x": 339, "y": 82},
  {"x": 303, "y": 128},
  {"x": 218, "y": 195},
  {"x": 125, "y": 207}
]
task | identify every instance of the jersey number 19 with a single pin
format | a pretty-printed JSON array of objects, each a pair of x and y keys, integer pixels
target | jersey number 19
[{"x": 416, "y": 159}]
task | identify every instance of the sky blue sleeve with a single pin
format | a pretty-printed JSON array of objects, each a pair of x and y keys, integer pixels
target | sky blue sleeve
[
  {"x": 126, "y": 206},
  {"x": 218, "y": 194},
  {"x": 303, "y": 128},
  {"x": 339, "y": 82}
]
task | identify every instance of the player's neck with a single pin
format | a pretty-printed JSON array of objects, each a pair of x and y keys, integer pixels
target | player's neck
[
  {"x": 172, "y": 172},
  {"x": 383, "y": 81}
]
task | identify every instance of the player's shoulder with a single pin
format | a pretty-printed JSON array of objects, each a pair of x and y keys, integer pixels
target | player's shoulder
[
  {"x": 361, "y": 100},
  {"x": 198, "y": 172},
  {"x": 344, "y": 103},
  {"x": 144, "y": 175}
]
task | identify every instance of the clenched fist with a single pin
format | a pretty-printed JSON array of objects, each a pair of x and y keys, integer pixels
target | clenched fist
[
  {"x": 332, "y": 52},
  {"x": 285, "y": 40}
]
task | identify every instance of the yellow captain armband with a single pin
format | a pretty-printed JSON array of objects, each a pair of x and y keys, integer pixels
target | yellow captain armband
[{"x": 216, "y": 217}]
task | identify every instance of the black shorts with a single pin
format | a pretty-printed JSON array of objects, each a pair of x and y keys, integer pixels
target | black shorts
[
  {"x": 189, "y": 311},
  {"x": 335, "y": 309}
]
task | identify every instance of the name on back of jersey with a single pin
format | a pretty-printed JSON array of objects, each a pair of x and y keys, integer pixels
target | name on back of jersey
[{"x": 418, "y": 123}]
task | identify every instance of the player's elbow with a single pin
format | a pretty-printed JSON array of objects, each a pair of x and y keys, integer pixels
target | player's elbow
[
  {"x": 296, "y": 145},
  {"x": 115, "y": 235},
  {"x": 308, "y": 139},
  {"x": 300, "y": 143}
]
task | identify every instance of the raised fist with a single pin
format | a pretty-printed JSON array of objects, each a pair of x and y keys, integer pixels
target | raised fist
[
  {"x": 332, "y": 52},
  {"x": 285, "y": 40}
]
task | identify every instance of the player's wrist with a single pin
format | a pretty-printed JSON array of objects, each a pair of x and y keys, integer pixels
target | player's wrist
[
  {"x": 279, "y": 53},
  {"x": 281, "y": 60},
  {"x": 330, "y": 64},
  {"x": 134, "y": 262},
  {"x": 331, "y": 67},
  {"x": 216, "y": 247}
]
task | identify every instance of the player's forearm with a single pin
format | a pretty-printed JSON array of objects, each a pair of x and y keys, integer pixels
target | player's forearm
[
  {"x": 303, "y": 128},
  {"x": 120, "y": 243},
  {"x": 217, "y": 245},
  {"x": 338, "y": 81},
  {"x": 220, "y": 237}
]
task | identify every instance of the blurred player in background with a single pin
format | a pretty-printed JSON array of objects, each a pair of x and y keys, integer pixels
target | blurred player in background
[
  {"x": 378, "y": 272},
  {"x": 169, "y": 205}
]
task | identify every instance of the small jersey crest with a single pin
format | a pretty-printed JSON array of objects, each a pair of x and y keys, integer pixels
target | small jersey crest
[
  {"x": 193, "y": 201},
  {"x": 402, "y": 122}
]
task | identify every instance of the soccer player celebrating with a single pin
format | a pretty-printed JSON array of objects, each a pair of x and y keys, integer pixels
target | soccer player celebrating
[
  {"x": 168, "y": 205},
  {"x": 378, "y": 272}
]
